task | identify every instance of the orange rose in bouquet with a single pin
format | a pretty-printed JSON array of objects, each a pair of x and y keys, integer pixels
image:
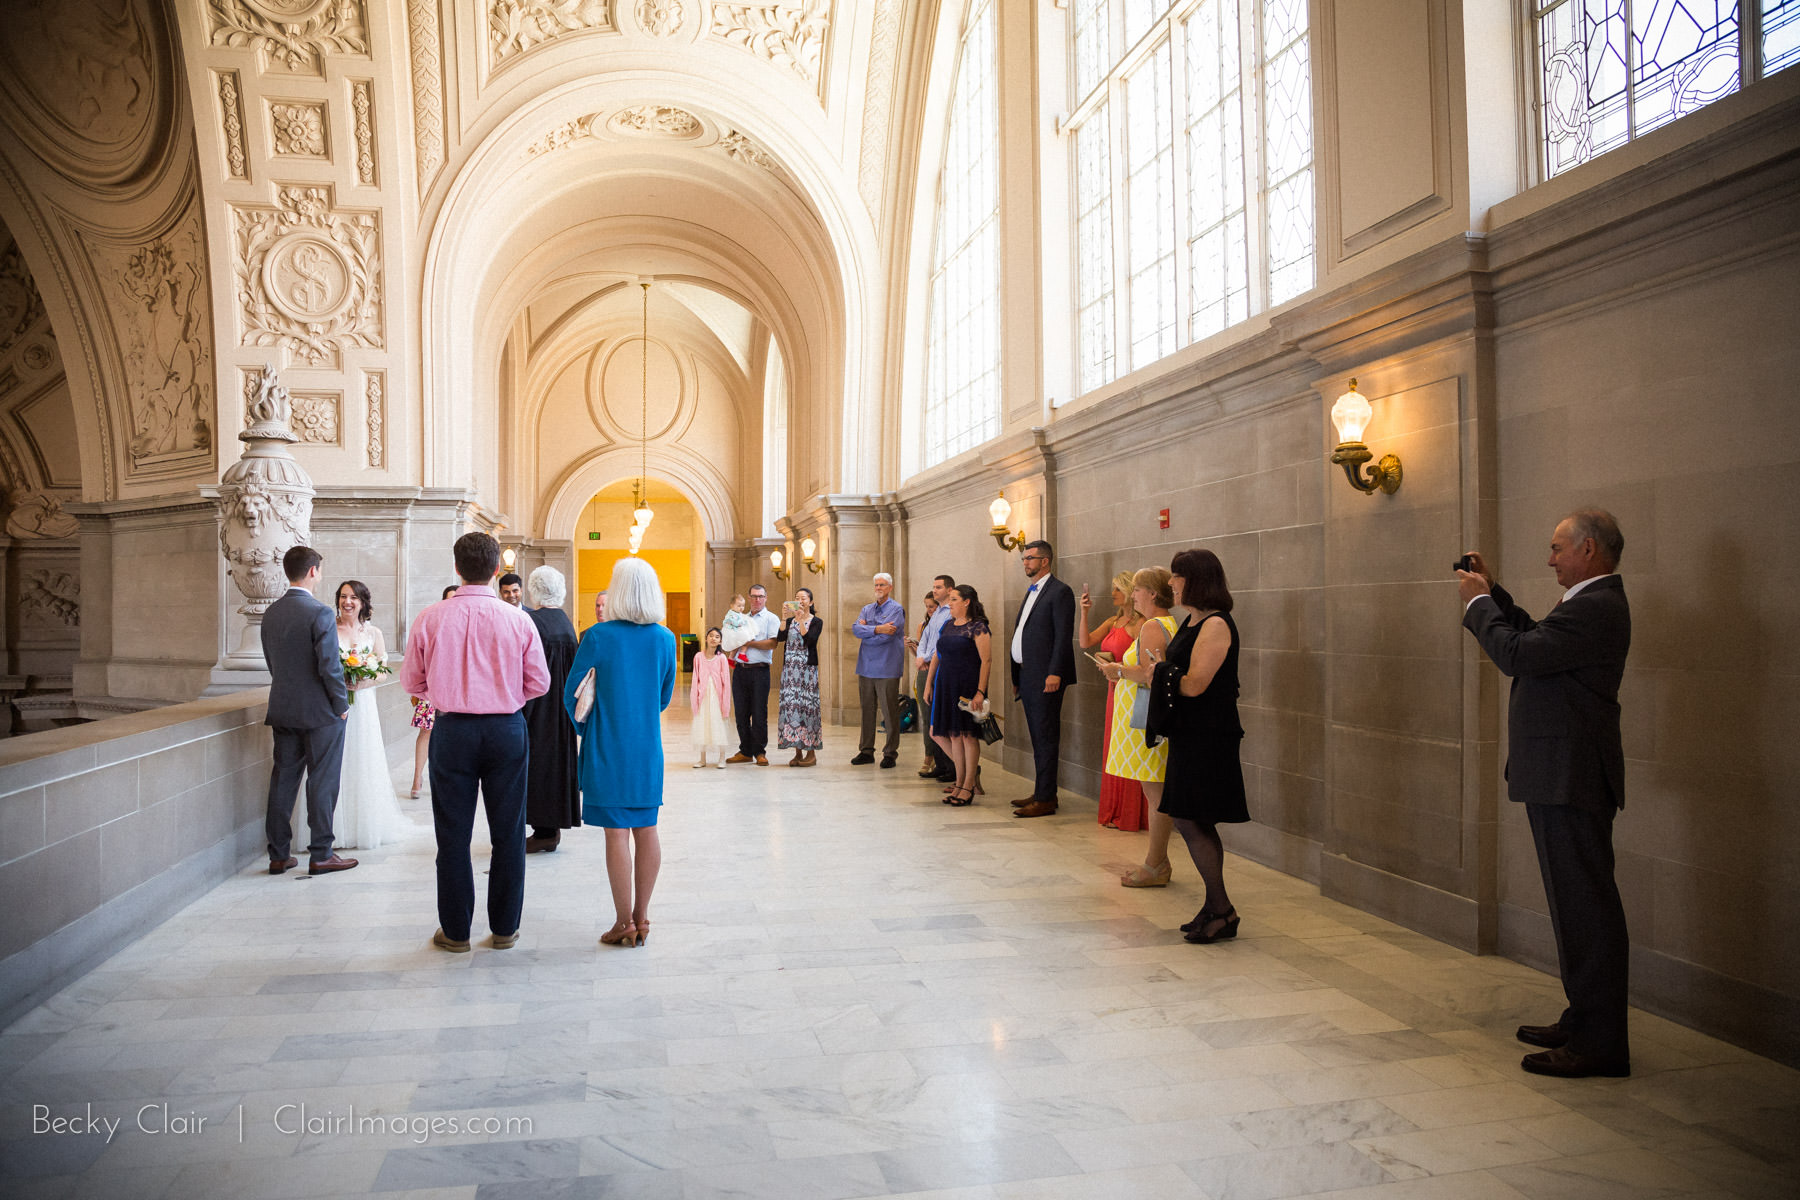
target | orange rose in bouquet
[{"x": 358, "y": 669}]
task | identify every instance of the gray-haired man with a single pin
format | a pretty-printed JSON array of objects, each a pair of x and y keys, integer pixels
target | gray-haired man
[{"x": 881, "y": 627}]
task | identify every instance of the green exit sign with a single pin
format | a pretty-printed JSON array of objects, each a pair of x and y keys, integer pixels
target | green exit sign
[{"x": 594, "y": 536}]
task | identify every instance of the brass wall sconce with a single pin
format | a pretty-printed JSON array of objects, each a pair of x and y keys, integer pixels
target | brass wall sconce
[
  {"x": 1352, "y": 414},
  {"x": 1000, "y": 512},
  {"x": 809, "y": 554},
  {"x": 775, "y": 565}
]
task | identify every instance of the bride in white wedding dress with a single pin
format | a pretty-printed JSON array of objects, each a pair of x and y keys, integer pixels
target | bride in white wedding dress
[{"x": 368, "y": 809}]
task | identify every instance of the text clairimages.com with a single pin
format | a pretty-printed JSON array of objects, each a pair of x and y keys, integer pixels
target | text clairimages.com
[{"x": 293, "y": 1120}]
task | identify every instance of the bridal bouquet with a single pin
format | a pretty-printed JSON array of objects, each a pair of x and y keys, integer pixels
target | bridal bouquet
[{"x": 358, "y": 669}]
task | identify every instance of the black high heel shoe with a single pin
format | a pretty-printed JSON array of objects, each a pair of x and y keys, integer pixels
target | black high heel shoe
[
  {"x": 1195, "y": 931},
  {"x": 962, "y": 798}
]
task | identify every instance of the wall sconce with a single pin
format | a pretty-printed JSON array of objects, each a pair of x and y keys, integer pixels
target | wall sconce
[
  {"x": 775, "y": 565},
  {"x": 1352, "y": 414},
  {"x": 509, "y": 557},
  {"x": 809, "y": 551},
  {"x": 1001, "y": 512}
]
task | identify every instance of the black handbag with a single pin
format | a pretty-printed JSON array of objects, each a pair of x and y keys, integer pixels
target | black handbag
[{"x": 988, "y": 730}]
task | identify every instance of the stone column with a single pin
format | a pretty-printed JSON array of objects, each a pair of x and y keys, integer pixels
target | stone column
[{"x": 265, "y": 508}]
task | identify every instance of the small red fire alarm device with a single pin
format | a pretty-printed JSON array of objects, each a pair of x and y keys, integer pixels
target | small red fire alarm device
[{"x": 1163, "y": 517}]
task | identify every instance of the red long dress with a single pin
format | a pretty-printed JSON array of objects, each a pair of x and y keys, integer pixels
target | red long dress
[{"x": 1122, "y": 803}]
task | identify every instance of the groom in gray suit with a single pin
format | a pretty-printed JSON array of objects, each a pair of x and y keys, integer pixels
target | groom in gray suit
[{"x": 308, "y": 702}]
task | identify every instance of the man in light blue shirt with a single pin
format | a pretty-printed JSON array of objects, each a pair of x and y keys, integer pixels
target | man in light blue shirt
[
  {"x": 941, "y": 767},
  {"x": 881, "y": 627}
]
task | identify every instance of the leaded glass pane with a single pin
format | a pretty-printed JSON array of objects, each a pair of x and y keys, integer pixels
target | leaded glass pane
[
  {"x": 1139, "y": 16},
  {"x": 1287, "y": 149},
  {"x": 1218, "y": 270},
  {"x": 1685, "y": 56},
  {"x": 1093, "y": 45},
  {"x": 962, "y": 395},
  {"x": 1150, "y": 206},
  {"x": 1780, "y": 34},
  {"x": 1093, "y": 252}
]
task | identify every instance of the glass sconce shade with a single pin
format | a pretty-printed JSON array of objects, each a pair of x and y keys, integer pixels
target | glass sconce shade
[
  {"x": 1351, "y": 414},
  {"x": 809, "y": 549},
  {"x": 1000, "y": 511}
]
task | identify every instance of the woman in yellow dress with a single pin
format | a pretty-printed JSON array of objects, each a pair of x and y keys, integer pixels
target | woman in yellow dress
[{"x": 1128, "y": 756}]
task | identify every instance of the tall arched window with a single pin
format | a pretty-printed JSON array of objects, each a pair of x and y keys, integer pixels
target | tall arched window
[
  {"x": 962, "y": 349},
  {"x": 1192, "y": 123}
]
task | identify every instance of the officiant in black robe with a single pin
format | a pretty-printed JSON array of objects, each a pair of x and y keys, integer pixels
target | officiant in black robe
[{"x": 552, "y": 789}]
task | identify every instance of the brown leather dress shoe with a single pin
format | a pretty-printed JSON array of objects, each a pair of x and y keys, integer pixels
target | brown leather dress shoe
[
  {"x": 1550, "y": 1037},
  {"x": 762, "y": 760},
  {"x": 1022, "y": 801},
  {"x": 1565, "y": 1063},
  {"x": 739, "y": 758},
  {"x": 444, "y": 942},
  {"x": 1037, "y": 808},
  {"x": 279, "y": 866},
  {"x": 334, "y": 863}
]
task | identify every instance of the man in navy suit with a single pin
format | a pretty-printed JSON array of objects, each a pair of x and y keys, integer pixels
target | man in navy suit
[
  {"x": 1566, "y": 764},
  {"x": 1042, "y": 655},
  {"x": 308, "y": 702}
]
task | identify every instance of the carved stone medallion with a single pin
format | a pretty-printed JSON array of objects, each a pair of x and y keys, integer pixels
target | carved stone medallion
[
  {"x": 299, "y": 128},
  {"x": 656, "y": 120},
  {"x": 660, "y": 18},
  {"x": 309, "y": 276}
]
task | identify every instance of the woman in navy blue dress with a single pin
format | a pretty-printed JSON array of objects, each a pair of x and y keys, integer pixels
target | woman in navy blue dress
[
  {"x": 633, "y": 659},
  {"x": 959, "y": 671}
]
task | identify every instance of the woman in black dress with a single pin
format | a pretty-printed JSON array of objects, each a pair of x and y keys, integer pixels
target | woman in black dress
[
  {"x": 1204, "y": 785},
  {"x": 552, "y": 787},
  {"x": 959, "y": 671}
]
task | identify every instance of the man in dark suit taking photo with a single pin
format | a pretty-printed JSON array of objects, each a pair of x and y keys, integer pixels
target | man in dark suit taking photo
[{"x": 1566, "y": 764}]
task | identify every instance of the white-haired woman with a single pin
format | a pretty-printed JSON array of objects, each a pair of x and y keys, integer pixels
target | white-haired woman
[
  {"x": 552, "y": 791},
  {"x": 633, "y": 660}
]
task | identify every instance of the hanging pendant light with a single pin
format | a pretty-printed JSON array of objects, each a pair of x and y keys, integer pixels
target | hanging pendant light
[{"x": 641, "y": 514}]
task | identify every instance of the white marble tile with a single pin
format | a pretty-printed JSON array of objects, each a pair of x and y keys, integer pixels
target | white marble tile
[{"x": 857, "y": 996}]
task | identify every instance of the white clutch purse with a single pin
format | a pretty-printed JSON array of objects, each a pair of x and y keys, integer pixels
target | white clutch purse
[{"x": 584, "y": 696}]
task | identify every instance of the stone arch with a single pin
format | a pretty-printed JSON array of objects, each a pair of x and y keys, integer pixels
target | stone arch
[
  {"x": 697, "y": 479},
  {"x": 465, "y": 282}
]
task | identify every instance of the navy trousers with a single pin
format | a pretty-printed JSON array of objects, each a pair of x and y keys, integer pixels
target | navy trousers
[
  {"x": 489, "y": 752},
  {"x": 1043, "y": 720}
]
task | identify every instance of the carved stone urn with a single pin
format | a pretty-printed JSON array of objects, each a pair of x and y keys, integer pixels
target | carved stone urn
[{"x": 265, "y": 508}]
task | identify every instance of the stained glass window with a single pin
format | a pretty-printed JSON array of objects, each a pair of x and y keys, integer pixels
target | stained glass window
[
  {"x": 1612, "y": 70},
  {"x": 962, "y": 376},
  {"x": 1207, "y": 170}
]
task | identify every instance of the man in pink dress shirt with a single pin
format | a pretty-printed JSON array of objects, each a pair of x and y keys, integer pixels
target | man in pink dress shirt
[{"x": 477, "y": 659}]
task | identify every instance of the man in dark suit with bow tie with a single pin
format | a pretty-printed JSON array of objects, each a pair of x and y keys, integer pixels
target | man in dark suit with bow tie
[
  {"x": 308, "y": 702},
  {"x": 1042, "y": 655},
  {"x": 1566, "y": 764}
]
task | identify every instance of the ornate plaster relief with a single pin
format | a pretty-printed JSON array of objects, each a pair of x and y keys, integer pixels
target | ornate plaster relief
[
  {"x": 308, "y": 276},
  {"x": 362, "y": 107},
  {"x": 292, "y": 34},
  {"x": 787, "y": 33},
  {"x": 297, "y": 129},
  {"x": 231, "y": 119},
  {"x": 515, "y": 26}
]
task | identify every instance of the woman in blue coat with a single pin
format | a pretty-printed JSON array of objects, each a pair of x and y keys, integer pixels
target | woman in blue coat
[{"x": 633, "y": 660}]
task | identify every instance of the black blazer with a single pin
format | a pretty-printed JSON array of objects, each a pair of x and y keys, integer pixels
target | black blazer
[
  {"x": 1049, "y": 643},
  {"x": 1562, "y": 729},
  {"x": 300, "y": 646},
  {"x": 810, "y": 639}
]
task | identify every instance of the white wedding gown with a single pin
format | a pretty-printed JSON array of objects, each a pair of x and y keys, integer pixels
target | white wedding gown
[{"x": 368, "y": 809}]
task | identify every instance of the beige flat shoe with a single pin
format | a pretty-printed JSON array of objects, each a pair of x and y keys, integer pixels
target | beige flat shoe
[{"x": 1138, "y": 877}]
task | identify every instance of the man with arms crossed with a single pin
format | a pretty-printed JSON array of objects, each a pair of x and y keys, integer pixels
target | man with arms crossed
[
  {"x": 1043, "y": 665},
  {"x": 478, "y": 660},
  {"x": 881, "y": 627},
  {"x": 308, "y": 702},
  {"x": 1566, "y": 764}
]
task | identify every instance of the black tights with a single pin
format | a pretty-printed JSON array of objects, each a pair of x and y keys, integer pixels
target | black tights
[{"x": 1209, "y": 859}]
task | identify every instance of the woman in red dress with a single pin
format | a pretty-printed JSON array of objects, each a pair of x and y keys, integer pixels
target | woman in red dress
[{"x": 1122, "y": 803}]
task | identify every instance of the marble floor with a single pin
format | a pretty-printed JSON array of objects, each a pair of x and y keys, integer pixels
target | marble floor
[{"x": 850, "y": 990}]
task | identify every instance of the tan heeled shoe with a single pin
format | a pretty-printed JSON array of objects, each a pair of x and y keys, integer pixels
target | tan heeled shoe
[
  {"x": 622, "y": 934},
  {"x": 643, "y": 931}
]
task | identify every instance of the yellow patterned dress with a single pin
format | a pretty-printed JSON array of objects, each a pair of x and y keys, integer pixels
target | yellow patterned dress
[{"x": 1129, "y": 757}]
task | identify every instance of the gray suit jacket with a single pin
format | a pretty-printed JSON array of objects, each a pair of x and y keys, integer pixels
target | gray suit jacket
[
  {"x": 299, "y": 641},
  {"x": 1562, "y": 739}
]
